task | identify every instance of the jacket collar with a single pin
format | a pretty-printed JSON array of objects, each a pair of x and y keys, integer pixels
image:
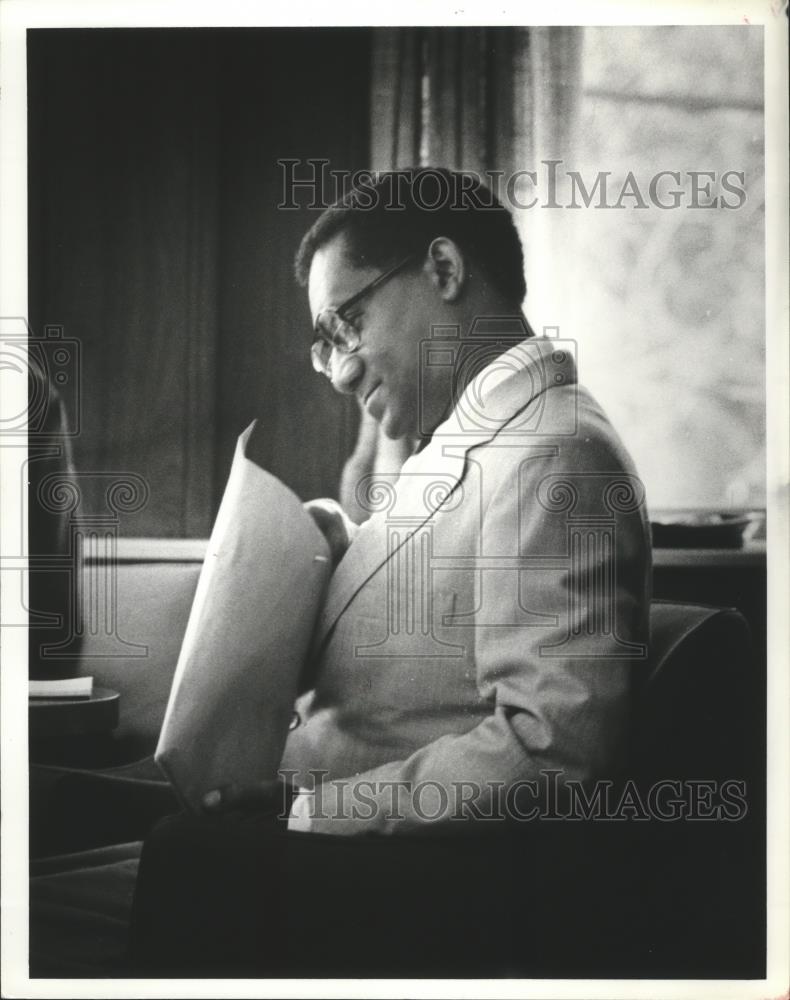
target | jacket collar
[{"x": 508, "y": 391}]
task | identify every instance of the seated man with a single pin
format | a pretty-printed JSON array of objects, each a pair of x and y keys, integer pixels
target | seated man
[{"x": 481, "y": 626}]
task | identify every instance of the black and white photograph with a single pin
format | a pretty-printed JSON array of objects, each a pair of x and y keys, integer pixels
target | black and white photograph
[{"x": 395, "y": 465}]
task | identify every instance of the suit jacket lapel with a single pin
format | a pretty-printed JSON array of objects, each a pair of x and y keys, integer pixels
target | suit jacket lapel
[
  {"x": 425, "y": 483},
  {"x": 429, "y": 478}
]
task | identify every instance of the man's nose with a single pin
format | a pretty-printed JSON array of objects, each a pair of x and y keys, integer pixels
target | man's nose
[{"x": 347, "y": 371}]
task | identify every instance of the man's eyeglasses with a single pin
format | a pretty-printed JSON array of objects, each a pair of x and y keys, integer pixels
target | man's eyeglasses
[{"x": 334, "y": 332}]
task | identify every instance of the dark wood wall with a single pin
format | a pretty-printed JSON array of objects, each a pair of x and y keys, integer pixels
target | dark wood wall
[{"x": 156, "y": 242}]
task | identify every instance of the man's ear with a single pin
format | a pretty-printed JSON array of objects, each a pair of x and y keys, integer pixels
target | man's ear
[{"x": 449, "y": 270}]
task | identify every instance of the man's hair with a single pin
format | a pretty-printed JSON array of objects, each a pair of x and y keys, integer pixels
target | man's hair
[{"x": 388, "y": 216}]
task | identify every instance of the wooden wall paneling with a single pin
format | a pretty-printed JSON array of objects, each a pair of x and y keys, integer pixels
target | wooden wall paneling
[
  {"x": 156, "y": 240},
  {"x": 201, "y": 291},
  {"x": 125, "y": 253}
]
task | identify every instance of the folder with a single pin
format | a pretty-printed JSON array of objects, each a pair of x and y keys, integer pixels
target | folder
[{"x": 259, "y": 592}]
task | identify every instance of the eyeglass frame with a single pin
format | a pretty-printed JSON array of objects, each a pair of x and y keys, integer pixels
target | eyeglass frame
[{"x": 343, "y": 348}]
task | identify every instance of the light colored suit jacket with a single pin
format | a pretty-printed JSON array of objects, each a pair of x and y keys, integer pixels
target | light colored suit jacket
[{"x": 483, "y": 624}]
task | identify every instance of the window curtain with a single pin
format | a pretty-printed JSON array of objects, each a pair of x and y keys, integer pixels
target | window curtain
[{"x": 478, "y": 99}]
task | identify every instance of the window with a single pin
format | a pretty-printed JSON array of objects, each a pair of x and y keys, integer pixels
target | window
[{"x": 668, "y": 303}]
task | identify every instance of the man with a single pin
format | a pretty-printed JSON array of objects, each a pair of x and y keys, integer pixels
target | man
[{"x": 481, "y": 627}]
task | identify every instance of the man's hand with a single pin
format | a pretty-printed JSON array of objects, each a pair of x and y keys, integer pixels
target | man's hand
[
  {"x": 263, "y": 797},
  {"x": 337, "y": 527}
]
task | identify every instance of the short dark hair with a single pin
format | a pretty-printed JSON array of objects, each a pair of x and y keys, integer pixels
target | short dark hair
[{"x": 390, "y": 215}]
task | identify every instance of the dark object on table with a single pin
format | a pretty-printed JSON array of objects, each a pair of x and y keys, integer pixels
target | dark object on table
[{"x": 702, "y": 531}]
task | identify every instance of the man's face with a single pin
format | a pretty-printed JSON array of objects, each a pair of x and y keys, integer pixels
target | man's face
[{"x": 392, "y": 321}]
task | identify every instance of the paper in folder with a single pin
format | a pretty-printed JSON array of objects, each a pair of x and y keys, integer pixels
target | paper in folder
[{"x": 259, "y": 592}]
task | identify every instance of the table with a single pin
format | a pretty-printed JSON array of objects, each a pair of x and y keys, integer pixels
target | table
[{"x": 73, "y": 732}]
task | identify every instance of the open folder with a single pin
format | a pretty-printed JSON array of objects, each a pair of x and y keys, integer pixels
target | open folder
[{"x": 259, "y": 592}]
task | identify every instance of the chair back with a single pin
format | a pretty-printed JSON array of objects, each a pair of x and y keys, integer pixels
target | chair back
[{"x": 696, "y": 705}]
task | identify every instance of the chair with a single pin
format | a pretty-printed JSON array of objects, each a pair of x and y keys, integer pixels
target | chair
[
  {"x": 540, "y": 899},
  {"x": 696, "y": 711}
]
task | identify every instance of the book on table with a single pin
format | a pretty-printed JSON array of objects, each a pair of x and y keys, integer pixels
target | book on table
[{"x": 66, "y": 687}]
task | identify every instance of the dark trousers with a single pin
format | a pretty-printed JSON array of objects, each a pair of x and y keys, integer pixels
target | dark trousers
[{"x": 239, "y": 895}]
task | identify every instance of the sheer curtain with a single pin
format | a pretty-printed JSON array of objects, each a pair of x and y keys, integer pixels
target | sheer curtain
[{"x": 496, "y": 100}]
